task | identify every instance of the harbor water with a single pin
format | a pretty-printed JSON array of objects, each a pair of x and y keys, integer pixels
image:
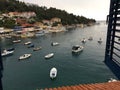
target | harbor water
[{"x": 33, "y": 73}]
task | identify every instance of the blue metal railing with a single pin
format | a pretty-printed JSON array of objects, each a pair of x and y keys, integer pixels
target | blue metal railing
[
  {"x": 113, "y": 28},
  {"x": 112, "y": 53}
]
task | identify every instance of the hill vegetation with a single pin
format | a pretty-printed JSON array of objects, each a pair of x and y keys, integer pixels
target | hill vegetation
[{"x": 42, "y": 12}]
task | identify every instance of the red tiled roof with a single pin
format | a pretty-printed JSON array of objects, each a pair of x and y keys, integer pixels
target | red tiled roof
[
  {"x": 27, "y": 25},
  {"x": 97, "y": 86}
]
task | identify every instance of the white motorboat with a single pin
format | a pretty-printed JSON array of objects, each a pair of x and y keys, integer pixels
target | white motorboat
[
  {"x": 37, "y": 48},
  {"x": 100, "y": 41},
  {"x": 90, "y": 38},
  {"x": 77, "y": 48},
  {"x": 54, "y": 43},
  {"x": 16, "y": 41},
  {"x": 40, "y": 33},
  {"x": 6, "y": 53},
  {"x": 53, "y": 73},
  {"x": 49, "y": 55},
  {"x": 30, "y": 45},
  {"x": 83, "y": 40},
  {"x": 24, "y": 56},
  {"x": 27, "y": 43}
]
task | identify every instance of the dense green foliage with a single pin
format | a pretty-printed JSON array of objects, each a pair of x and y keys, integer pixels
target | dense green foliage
[
  {"x": 8, "y": 23},
  {"x": 42, "y": 12}
]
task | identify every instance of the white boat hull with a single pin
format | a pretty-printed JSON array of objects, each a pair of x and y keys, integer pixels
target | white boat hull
[
  {"x": 37, "y": 48},
  {"x": 49, "y": 55},
  {"x": 41, "y": 33},
  {"x": 24, "y": 56},
  {"x": 79, "y": 49},
  {"x": 16, "y": 41},
  {"x": 6, "y": 53},
  {"x": 27, "y": 43},
  {"x": 54, "y": 43},
  {"x": 53, "y": 73}
]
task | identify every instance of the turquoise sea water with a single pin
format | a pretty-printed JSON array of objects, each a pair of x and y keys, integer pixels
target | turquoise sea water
[{"x": 33, "y": 73}]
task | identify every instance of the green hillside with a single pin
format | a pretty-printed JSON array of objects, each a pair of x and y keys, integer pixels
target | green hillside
[{"x": 42, "y": 12}]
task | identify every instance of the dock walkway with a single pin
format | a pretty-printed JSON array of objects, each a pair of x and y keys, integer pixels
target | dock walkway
[{"x": 98, "y": 86}]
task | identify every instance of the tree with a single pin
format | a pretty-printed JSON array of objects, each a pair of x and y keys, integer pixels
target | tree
[
  {"x": 1, "y": 23},
  {"x": 55, "y": 24},
  {"x": 42, "y": 12},
  {"x": 9, "y": 23},
  {"x": 32, "y": 20}
]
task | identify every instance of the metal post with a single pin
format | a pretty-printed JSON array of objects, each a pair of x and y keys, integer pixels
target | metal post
[
  {"x": 1, "y": 69},
  {"x": 114, "y": 28},
  {"x": 107, "y": 52}
]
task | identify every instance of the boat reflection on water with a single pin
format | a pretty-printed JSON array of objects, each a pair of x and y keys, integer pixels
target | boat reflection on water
[{"x": 76, "y": 54}]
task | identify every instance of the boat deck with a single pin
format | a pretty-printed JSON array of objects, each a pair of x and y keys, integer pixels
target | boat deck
[{"x": 98, "y": 86}]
